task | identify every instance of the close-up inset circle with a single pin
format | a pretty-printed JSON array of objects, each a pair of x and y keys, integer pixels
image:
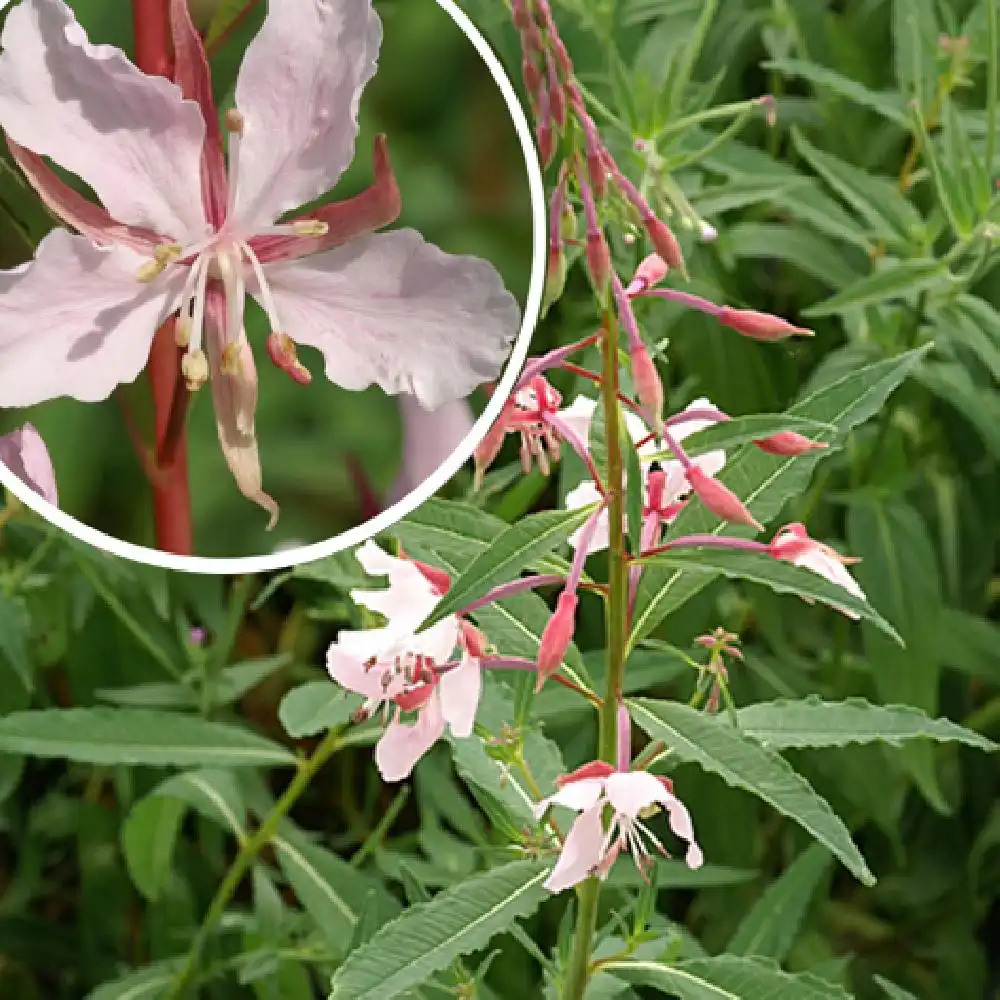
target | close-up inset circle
[{"x": 504, "y": 244}]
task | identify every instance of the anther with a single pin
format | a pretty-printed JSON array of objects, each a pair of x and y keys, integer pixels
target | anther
[
  {"x": 235, "y": 122},
  {"x": 232, "y": 360},
  {"x": 182, "y": 331},
  {"x": 310, "y": 227},
  {"x": 194, "y": 368}
]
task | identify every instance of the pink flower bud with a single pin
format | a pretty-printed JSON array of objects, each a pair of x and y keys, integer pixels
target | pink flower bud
[
  {"x": 436, "y": 577},
  {"x": 665, "y": 243},
  {"x": 562, "y": 57},
  {"x": 598, "y": 175},
  {"x": 760, "y": 326},
  {"x": 557, "y": 96},
  {"x": 555, "y": 278},
  {"x": 789, "y": 443},
  {"x": 648, "y": 386},
  {"x": 599, "y": 261},
  {"x": 473, "y": 639},
  {"x": 521, "y": 15},
  {"x": 546, "y": 140},
  {"x": 532, "y": 76},
  {"x": 489, "y": 447},
  {"x": 650, "y": 272},
  {"x": 719, "y": 499},
  {"x": 556, "y": 638}
]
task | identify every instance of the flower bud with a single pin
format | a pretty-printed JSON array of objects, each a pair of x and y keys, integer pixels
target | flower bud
[
  {"x": 568, "y": 226},
  {"x": 473, "y": 639},
  {"x": 556, "y": 638},
  {"x": 532, "y": 76},
  {"x": 758, "y": 325},
  {"x": 599, "y": 262},
  {"x": 651, "y": 271},
  {"x": 598, "y": 175},
  {"x": 665, "y": 243},
  {"x": 521, "y": 15},
  {"x": 555, "y": 278},
  {"x": 546, "y": 141},
  {"x": 648, "y": 386},
  {"x": 789, "y": 443},
  {"x": 719, "y": 499}
]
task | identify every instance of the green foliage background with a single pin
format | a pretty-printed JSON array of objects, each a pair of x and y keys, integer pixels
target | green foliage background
[
  {"x": 464, "y": 186},
  {"x": 107, "y": 864}
]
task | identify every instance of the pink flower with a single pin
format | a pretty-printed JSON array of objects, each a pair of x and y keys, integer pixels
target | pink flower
[
  {"x": 404, "y": 670},
  {"x": 671, "y": 486},
  {"x": 793, "y": 544},
  {"x": 180, "y": 232},
  {"x": 590, "y": 849},
  {"x": 429, "y": 437},
  {"x": 24, "y": 453}
]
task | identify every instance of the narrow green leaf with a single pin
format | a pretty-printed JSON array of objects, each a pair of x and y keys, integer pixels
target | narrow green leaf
[
  {"x": 14, "y": 625},
  {"x": 726, "y": 977},
  {"x": 781, "y": 577},
  {"x": 211, "y": 792},
  {"x": 430, "y": 936},
  {"x": 148, "y": 838},
  {"x": 809, "y": 252},
  {"x": 505, "y": 557},
  {"x": 712, "y": 743},
  {"x": 765, "y": 482},
  {"x": 315, "y": 707},
  {"x": 136, "y": 736},
  {"x": 813, "y": 722},
  {"x": 979, "y": 404},
  {"x": 894, "y": 992},
  {"x": 770, "y": 926},
  {"x": 894, "y": 281},
  {"x": 143, "y": 984}
]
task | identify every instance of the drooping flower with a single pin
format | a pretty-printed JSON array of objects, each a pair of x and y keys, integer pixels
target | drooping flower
[
  {"x": 180, "y": 231},
  {"x": 671, "y": 486},
  {"x": 793, "y": 544},
  {"x": 23, "y": 452},
  {"x": 591, "y": 848},
  {"x": 408, "y": 671}
]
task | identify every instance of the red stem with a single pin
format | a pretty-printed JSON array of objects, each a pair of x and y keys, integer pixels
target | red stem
[{"x": 171, "y": 495}]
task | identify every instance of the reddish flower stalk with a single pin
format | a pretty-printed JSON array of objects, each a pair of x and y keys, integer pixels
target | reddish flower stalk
[
  {"x": 171, "y": 493},
  {"x": 510, "y": 589}
]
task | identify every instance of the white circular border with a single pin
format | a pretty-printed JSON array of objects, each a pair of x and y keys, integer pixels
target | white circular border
[{"x": 355, "y": 536}]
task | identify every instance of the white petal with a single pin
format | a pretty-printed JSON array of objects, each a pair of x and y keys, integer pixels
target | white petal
[
  {"x": 584, "y": 495},
  {"x": 577, "y": 795},
  {"x": 390, "y": 309},
  {"x": 298, "y": 90},
  {"x": 629, "y": 792},
  {"x": 408, "y": 599},
  {"x": 23, "y": 452},
  {"x": 349, "y": 671},
  {"x": 75, "y": 322},
  {"x": 429, "y": 437},
  {"x": 832, "y": 568},
  {"x": 581, "y": 852},
  {"x": 578, "y": 415},
  {"x": 459, "y": 690},
  {"x": 680, "y": 823},
  {"x": 130, "y": 136},
  {"x": 402, "y": 746}
]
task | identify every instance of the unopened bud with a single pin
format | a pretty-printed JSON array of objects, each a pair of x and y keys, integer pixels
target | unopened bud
[
  {"x": 555, "y": 279},
  {"x": 719, "y": 499},
  {"x": 648, "y": 385},
  {"x": 760, "y": 326},
  {"x": 546, "y": 141},
  {"x": 532, "y": 76},
  {"x": 521, "y": 15},
  {"x": 556, "y": 638},
  {"x": 194, "y": 369},
  {"x": 568, "y": 226},
  {"x": 598, "y": 175},
  {"x": 651, "y": 271},
  {"x": 789, "y": 443},
  {"x": 599, "y": 262},
  {"x": 665, "y": 243},
  {"x": 474, "y": 640},
  {"x": 488, "y": 449},
  {"x": 436, "y": 577}
]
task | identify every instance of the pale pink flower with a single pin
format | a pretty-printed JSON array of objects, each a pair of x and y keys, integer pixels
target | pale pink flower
[
  {"x": 591, "y": 848},
  {"x": 179, "y": 231},
  {"x": 793, "y": 544},
  {"x": 404, "y": 670},
  {"x": 675, "y": 486},
  {"x": 24, "y": 453},
  {"x": 429, "y": 437}
]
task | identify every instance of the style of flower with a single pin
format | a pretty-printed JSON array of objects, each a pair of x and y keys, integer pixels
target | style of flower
[
  {"x": 591, "y": 849},
  {"x": 23, "y": 452},
  {"x": 180, "y": 231},
  {"x": 670, "y": 487},
  {"x": 408, "y": 671},
  {"x": 793, "y": 544}
]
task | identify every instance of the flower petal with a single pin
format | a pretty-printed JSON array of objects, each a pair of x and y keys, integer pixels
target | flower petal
[
  {"x": 829, "y": 566},
  {"x": 130, "y": 136},
  {"x": 391, "y": 309},
  {"x": 629, "y": 792},
  {"x": 584, "y": 495},
  {"x": 429, "y": 437},
  {"x": 350, "y": 672},
  {"x": 401, "y": 746},
  {"x": 235, "y": 399},
  {"x": 680, "y": 823},
  {"x": 577, "y": 795},
  {"x": 578, "y": 415},
  {"x": 408, "y": 599},
  {"x": 459, "y": 690},
  {"x": 75, "y": 322},
  {"x": 581, "y": 852},
  {"x": 23, "y": 452},
  {"x": 298, "y": 90}
]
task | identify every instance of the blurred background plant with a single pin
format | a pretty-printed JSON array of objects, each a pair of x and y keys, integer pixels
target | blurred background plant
[
  {"x": 866, "y": 211},
  {"x": 464, "y": 186}
]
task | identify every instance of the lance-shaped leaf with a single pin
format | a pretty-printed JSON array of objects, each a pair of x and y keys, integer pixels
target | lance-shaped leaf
[
  {"x": 741, "y": 762},
  {"x": 430, "y": 936},
  {"x": 136, "y": 736},
  {"x": 315, "y": 707},
  {"x": 894, "y": 281},
  {"x": 504, "y": 558},
  {"x": 764, "y": 482},
  {"x": 781, "y": 577},
  {"x": 813, "y": 722}
]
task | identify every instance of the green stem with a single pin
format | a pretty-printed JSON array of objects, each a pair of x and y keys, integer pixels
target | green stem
[
  {"x": 991, "y": 84},
  {"x": 589, "y": 894},
  {"x": 248, "y": 854}
]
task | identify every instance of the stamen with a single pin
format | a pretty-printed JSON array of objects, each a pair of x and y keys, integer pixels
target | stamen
[
  {"x": 163, "y": 256},
  {"x": 300, "y": 227},
  {"x": 235, "y": 125},
  {"x": 194, "y": 368}
]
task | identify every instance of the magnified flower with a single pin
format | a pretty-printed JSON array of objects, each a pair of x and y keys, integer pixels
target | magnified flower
[
  {"x": 403, "y": 670},
  {"x": 182, "y": 230},
  {"x": 24, "y": 453}
]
